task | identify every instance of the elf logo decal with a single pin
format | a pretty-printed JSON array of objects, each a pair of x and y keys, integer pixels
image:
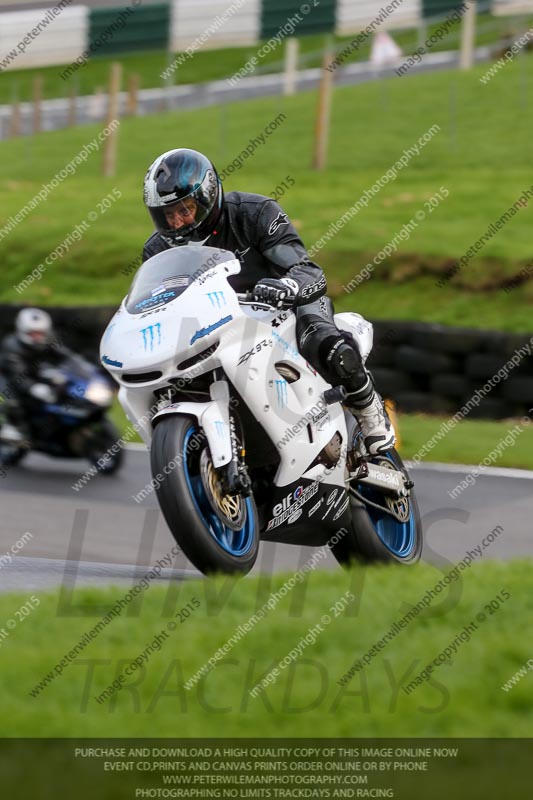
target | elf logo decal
[
  {"x": 281, "y": 219},
  {"x": 279, "y": 508},
  {"x": 151, "y": 336},
  {"x": 217, "y": 299},
  {"x": 291, "y": 504}
]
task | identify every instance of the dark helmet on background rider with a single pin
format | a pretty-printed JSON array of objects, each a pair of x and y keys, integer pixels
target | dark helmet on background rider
[
  {"x": 34, "y": 328},
  {"x": 184, "y": 196}
]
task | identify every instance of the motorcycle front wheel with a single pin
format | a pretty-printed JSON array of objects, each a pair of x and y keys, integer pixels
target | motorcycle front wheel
[
  {"x": 11, "y": 454},
  {"x": 217, "y": 532}
]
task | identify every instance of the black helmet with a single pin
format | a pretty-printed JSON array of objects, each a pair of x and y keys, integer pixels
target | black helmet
[{"x": 184, "y": 196}]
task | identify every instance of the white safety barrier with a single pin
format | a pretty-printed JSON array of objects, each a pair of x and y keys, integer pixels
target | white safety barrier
[
  {"x": 208, "y": 24},
  {"x": 506, "y": 8},
  {"x": 37, "y": 38},
  {"x": 354, "y": 17}
]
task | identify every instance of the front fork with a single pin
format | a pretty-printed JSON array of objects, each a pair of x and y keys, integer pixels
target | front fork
[{"x": 234, "y": 475}]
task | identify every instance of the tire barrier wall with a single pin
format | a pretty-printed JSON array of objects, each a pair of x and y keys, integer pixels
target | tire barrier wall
[
  {"x": 422, "y": 367},
  {"x": 437, "y": 369}
]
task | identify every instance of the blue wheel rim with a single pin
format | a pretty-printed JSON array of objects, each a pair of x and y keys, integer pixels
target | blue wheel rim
[
  {"x": 236, "y": 543},
  {"x": 398, "y": 537}
]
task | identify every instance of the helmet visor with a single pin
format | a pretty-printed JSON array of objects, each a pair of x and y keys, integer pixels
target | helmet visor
[
  {"x": 179, "y": 217},
  {"x": 37, "y": 337}
]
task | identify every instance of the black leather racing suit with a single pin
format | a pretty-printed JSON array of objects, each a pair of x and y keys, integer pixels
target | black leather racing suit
[
  {"x": 20, "y": 365},
  {"x": 267, "y": 244}
]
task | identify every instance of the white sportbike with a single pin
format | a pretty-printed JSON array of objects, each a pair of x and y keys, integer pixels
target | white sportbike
[{"x": 247, "y": 441}]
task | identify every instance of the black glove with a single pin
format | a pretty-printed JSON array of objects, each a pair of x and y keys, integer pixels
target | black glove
[{"x": 276, "y": 292}]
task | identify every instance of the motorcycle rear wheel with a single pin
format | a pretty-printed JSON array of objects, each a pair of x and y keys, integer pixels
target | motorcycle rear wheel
[{"x": 376, "y": 536}]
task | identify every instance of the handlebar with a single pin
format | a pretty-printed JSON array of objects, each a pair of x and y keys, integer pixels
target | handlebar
[{"x": 248, "y": 299}]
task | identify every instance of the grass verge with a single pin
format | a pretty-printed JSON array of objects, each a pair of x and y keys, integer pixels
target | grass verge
[
  {"x": 469, "y": 442},
  {"x": 461, "y": 698},
  {"x": 467, "y": 157}
]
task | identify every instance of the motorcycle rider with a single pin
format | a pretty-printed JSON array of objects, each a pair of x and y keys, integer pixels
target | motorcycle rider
[
  {"x": 185, "y": 198},
  {"x": 22, "y": 355}
]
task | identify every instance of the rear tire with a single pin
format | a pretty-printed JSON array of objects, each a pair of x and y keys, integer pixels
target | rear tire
[
  {"x": 376, "y": 536},
  {"x": 210, "y": 544}
]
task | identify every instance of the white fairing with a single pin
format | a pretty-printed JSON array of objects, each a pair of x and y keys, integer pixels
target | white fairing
[
  {"x": 360, "y": 328},
  {"x": 250, "y": 342}
]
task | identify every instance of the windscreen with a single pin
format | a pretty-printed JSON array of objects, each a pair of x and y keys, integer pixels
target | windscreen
[{"x": 165, "y": 276}]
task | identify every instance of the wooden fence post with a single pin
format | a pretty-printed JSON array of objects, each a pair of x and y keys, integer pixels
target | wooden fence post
[
  {"x": 110, "y": 145},
  {"x": 323, "y": 112},
  {"x": 468, "y": 36},
  {"x": 37, "y": 103},
  {"x": 133, "y": 94}
]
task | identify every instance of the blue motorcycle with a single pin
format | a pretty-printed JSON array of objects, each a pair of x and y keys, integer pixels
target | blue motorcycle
[{"x": 73, "y": 424}]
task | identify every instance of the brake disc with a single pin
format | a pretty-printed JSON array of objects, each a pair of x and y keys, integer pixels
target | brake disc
[{"x": 230, "y": 509}]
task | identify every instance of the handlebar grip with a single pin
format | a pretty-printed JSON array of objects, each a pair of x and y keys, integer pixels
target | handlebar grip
[{"x": 248, "y": 297}]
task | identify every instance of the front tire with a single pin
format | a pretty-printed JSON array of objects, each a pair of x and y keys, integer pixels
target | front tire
[
  {"x": 376, "y": 536},
  {"x": 102, "y": 439},
  {"x": 193, "y": 510},
  {"x": 11, "y": 454}
]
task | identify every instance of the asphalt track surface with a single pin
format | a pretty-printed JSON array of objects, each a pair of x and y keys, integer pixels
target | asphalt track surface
[{"x": 101, "y": 536}]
